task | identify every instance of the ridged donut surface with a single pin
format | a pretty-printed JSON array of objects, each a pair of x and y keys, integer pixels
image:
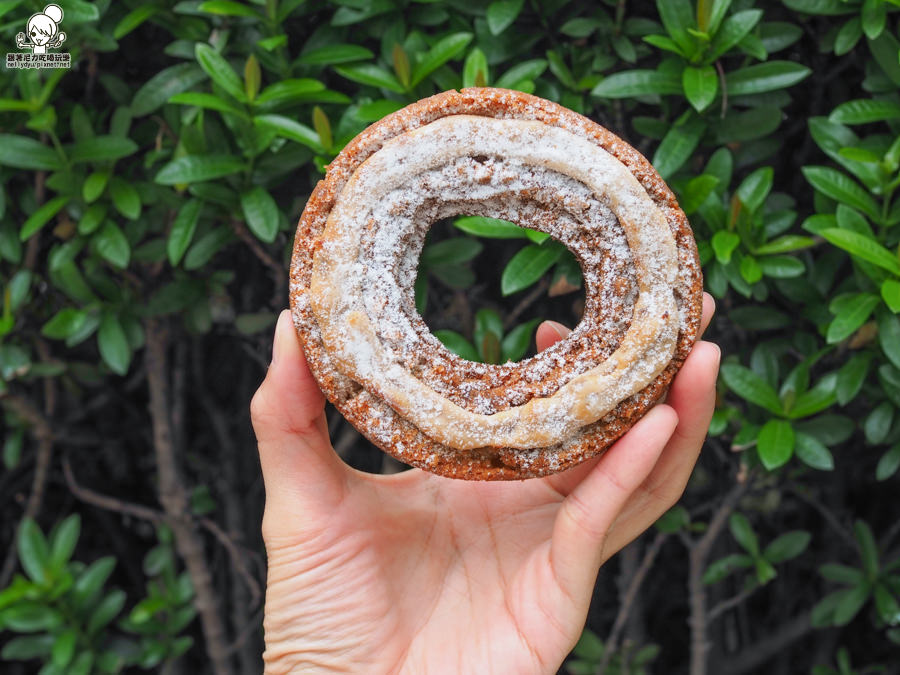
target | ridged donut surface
[{"x": 509, "y": 155}]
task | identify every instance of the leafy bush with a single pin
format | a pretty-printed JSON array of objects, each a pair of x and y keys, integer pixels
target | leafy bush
[{"x": 147, "y": 208}]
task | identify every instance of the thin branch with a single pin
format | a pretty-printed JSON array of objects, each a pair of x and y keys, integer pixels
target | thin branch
[
  {"x": 733, "y": 601},
  {"x": 237, "y": 558},
  {"x": 825, "y": 512},
  {"x": 276, "y": 269},
  {"x": 175, "y": 501},
  {"x": 699, "y": 553},
  {"x": 533, "y": 296},
  {"x": 43, "y": 434},
  {"x": 628, "y": 599},
  {"x": 106, "y": 502}
]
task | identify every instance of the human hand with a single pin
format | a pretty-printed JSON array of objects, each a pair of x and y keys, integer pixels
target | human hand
[{"x": 415, "y": 573}]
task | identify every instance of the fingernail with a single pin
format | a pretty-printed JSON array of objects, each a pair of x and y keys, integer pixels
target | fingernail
[
  {"x": 281, "y": 329},
  {"x": 561, "y": 330}
]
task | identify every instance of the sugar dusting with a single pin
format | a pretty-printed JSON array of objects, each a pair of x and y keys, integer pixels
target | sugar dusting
[{"x": 371, "y": 245}]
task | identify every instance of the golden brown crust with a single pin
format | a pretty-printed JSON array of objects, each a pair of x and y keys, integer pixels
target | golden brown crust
[{"x": 380, "y": 423}]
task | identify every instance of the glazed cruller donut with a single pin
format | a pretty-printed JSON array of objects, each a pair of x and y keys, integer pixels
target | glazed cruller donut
[{"x": 504, "y": 154}]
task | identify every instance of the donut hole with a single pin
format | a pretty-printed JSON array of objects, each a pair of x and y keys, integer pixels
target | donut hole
[{"x": 460, "y": 285}]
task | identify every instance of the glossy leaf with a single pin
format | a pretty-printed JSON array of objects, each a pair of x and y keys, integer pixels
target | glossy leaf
[
  {"x": 775, "y": 443},
  {"x": 527, "y": 266}
]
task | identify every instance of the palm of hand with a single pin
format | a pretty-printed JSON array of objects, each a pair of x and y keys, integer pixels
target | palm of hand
[{"x": 417, "y": 573}]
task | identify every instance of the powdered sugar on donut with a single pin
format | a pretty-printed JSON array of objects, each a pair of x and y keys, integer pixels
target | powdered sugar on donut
[{"x": 363, "y": 308}]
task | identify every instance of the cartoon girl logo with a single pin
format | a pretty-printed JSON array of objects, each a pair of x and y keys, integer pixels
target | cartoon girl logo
[{"x": 43, "y": 31}]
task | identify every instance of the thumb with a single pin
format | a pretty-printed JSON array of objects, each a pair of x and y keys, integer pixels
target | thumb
[
  {"x": 288, "y": 415},
  {"x": 549, "y": 333}
]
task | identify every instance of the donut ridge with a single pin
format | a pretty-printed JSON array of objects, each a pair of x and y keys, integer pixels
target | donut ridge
[{"x": 501, "y": 153}]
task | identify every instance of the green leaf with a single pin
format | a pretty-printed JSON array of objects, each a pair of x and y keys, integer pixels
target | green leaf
[
  {"x": 786, "y": 546},
  {"x": 632, "y": 83},
  {"x": 113, "y": 344},
  {"x": 890, "y": 293},
  {"x": 874, "y": 14},
  {"x": 863, "y": 247},
  {"x": 112, "y": 245},
  {"x": 722, "y": 568},
  {"x": 851, "y": 377},
  {"x": 94, "y": 185},
  {"x": 677, "y": 17},
  {"x": 848, "y": 36},
  {"x": 775, "y": 443},
  {"x": 785, "y": 244},
  {"x": 220, "y": 71},
  {"x": 821, "y": 7},
  {"x": 734, "y": 29},
  {"x": 527, "y": 266},
  {"x": 210, "y": 101},
  {"x": 492, "y": 228},
  {"x": 34, "y": 553},
  {"x": 700, "y": 86},
  {"x": 27, "y": 648},
  {"x": 41, "y": 217},
  {"x": 228, "y": 8},
  {"x": 31, "y": 618},
  {"x": 451, "y": 252},
  {"x": 677, "y": 146},
  {"x": 501, "y": 14},
  {"x": 889, "y": 336},
  {"x": 884, "y": 49},
  {"x": 22, "y": 152},
  {"x": 868, "y": 549},
  {"x": 63, "y": 541},
  {"x": 261, "y": 213},
  {"x": 724, "y": 244},
  {"x": 334, "y": 54},
  {"x": 889, "y": 463},
  {"x": 294, "y": 131},
  {"x": 163, "y": 86},
  {"x": 292, "y": 89},
  {"x": 198, "y": 168},
  {"x": 743, "y": 533},
  {"x": 837, "y": 185},
  {"x": 877, "y": 424},
  {"x": 781, "y": 267},
  {"x": 751, "y": 387},
  {"x": 457, "y": 344},
  {"x": 851, "y": 313},
  {"x": 133, "y": 19},
  {"x": 475, "y": 69},
  {"x": 812, "y": 452},
  {"x": 754, "y": 189},
  {"x": 106, "y": 611},
  {"x": 125, "y": 198},
  {"x": 526, "y": 70},
  {"x": 101, "y": 149},
  {"x": 183, "y": 228},
  {"x": 64, "y": 648},
  {"x": 865, "y": 111},
  {"x": 444, "y": 49},
  {"x": 372, "y": 75},
  {"x": 517, "y": 341},
  {"x": 64, "y": 323},
  {"x": 764, "y": 77},
  {"x": 88, "y": 584},
  {"x": 696, "y": 192}
]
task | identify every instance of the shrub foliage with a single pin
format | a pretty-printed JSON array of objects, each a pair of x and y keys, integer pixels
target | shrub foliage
[{"x": 147, "y": 207}]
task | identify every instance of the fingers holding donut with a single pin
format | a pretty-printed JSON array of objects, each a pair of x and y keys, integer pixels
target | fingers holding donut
[{"x": 288, "y": 415}]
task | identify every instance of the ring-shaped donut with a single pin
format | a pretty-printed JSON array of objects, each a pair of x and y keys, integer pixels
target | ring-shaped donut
[{"x": 509, "y": 155}]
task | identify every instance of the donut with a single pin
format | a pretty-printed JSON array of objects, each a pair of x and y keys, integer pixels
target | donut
[{"x": 502, "y": 154}]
